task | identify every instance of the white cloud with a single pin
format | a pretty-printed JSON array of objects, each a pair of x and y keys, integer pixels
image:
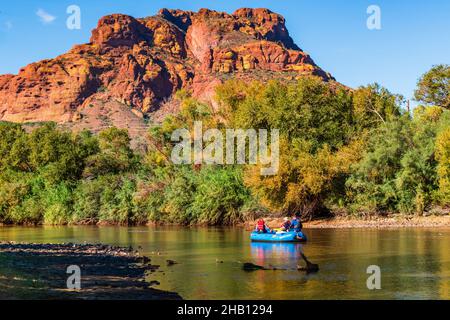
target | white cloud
[
  {"x": 45, "y": 17},
  {"x": 8, "y": 25}
]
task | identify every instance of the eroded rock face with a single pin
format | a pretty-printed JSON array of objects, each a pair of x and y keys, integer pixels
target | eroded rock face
[{"x": 142, "y": 62}]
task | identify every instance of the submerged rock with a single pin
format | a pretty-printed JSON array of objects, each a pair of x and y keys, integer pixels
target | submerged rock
[
  {"x": 247, "y": 266},
  {"x": 310, "y": 268},
  {"x": 171, "y": 262}
]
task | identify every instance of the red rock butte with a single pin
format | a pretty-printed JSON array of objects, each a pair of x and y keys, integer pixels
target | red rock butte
[{"x": 135, "y": 65}]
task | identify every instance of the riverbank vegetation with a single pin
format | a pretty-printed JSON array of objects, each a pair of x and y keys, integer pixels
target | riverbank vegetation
[{"x": 355, "y": 152}]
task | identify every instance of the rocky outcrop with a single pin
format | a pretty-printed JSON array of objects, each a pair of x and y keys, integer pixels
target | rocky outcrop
[{"x": 140, "y": 63}]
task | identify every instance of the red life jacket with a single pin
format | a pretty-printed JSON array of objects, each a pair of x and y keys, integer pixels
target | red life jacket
[{"x": 261, "y": 225}]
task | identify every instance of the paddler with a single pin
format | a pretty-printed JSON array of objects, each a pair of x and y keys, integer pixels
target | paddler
[
  {"x": 286, "y": 225},
  {"x": 262, "y": 227},
  {"x": 296, "y": 224}
]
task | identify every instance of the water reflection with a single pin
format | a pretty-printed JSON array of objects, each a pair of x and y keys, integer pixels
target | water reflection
[
  {"x": 415, "y": 262},
  {"x": 265, "y": 253}
]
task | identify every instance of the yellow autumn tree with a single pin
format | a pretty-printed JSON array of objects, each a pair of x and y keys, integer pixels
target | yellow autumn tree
[
  {"x": 305, "y": 178},
  {"x": 443, "y": 169}
]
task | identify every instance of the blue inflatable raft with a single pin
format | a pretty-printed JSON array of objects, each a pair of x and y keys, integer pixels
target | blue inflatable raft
[{"x": 291, "y": 236}]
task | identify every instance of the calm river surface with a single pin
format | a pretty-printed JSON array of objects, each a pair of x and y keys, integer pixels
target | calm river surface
[{"x": 414, "y": 262}]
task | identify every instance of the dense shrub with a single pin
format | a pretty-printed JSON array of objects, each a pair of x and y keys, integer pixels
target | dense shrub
[{"x": 398, "y": 170}]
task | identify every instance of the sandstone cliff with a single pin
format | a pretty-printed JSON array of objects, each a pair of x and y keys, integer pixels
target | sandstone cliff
[{"x": 130, "y": 66}]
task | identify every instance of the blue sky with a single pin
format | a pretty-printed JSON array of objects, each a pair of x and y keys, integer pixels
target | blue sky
[{"x": 414, "y": 36}]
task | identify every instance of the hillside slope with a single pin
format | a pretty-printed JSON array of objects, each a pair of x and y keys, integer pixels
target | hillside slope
[{"x": 132, "y": 66}]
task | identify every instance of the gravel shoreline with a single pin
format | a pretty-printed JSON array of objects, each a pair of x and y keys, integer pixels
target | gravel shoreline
[{"x": 39, "y": 271}]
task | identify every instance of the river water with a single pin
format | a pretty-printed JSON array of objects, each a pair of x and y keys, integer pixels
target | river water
[{"x": 414, "y": 262}]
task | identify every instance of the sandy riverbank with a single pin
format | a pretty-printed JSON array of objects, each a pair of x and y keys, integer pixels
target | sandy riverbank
[{"x": 373, "y": 222}]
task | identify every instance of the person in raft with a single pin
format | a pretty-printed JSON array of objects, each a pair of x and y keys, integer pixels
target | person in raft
[
  {"x": 296, "y": 224},
  {"x": 286, "y": 225},
  {"x": 261, "y": 227}
]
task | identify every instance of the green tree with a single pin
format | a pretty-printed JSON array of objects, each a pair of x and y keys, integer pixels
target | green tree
[
  {"x": 433, "y": 87},
  {"x": 310, "y": 108},
  {"x": 114, "y": 156},
  {"x": 373, "y": 105},
  {"x": 9, "y": 133},
  {"x": 221, "y": 196},
  {"x": 398, "y": 170}
]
